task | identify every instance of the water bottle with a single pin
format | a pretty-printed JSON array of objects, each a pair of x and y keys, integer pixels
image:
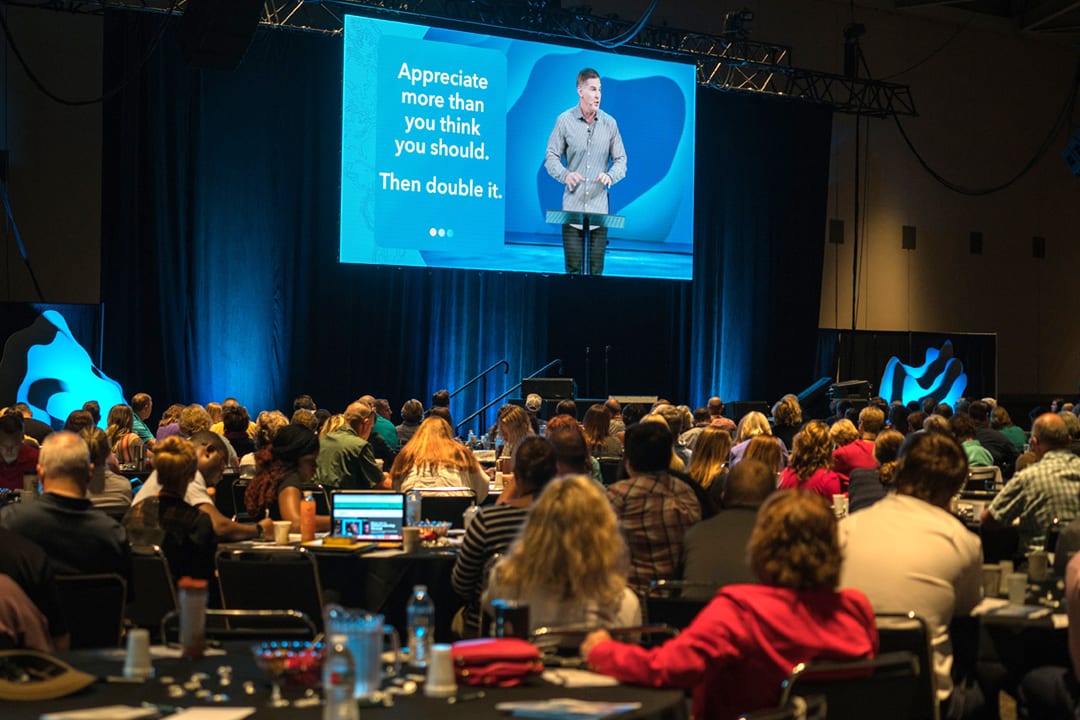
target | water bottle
[
  {"x": 192, "y": 592},
  {"x": 339, "y": 678},
  {"x": 412, "y": 508},
  {"x": 472, "y": 440},
  {"x": 307, "y": 518},
  {"x": 421, "y": 619}
]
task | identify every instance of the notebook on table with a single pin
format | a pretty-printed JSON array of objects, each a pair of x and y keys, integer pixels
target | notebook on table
[{"x": 367, "y": 515}]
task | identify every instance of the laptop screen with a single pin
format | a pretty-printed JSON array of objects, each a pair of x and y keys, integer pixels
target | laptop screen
[{"x": 367, "y": 515}]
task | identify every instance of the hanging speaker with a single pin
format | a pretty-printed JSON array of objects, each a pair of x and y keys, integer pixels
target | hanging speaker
[{"x": 215, "y": 34}]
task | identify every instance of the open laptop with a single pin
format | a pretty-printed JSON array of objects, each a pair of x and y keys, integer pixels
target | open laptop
[{"x": 368, "y": 515}]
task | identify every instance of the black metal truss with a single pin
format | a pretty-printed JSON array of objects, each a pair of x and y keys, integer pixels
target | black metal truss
[{"x": 724, "y": 63}]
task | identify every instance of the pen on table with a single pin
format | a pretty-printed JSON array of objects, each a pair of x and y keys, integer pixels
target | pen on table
[{"x": 465, "y": 697}]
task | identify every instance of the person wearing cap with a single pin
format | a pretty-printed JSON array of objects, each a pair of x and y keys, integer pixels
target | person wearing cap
[
  {"x": 282, "y": 469},
  {"x": 533, "y": 405}
]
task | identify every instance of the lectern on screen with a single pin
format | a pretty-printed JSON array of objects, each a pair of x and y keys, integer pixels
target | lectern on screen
[{"x": 444, "y": 141}]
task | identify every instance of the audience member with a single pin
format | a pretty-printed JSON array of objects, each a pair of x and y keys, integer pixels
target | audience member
[
  {"x": 94, "y": 408},
  {"x": 569, "y": 563},
  {"x": 766, "y": 449},
  {"x": 22, "y": 625},
  {"x": 655, "y": 509},
  {"x": 305, "y": 418},
  {"x": 78, "y": 538},
  {"x": 714, "y": 550},
  {"x": 752, "y": 425},
  {"x": 383, "y": 428},
  {"x": 213, "y": 411},
  {"x": 513, "y": 424},
  {"x": 614, "y": 410},
  {"x": 673, "y": 416},
  {"x": 193, "y": 419},
  {"x": 32, "y": 427},
  {"x": 281, "y": 471},
  {"x": 716, "y": 415},
  {"x": 169, "y": 424},
  {"x": 304, "y": 402},
  {"x": 859, "y": 453},
  {"x": 675, "y": 463},
  {"x": 412, "y": 414},
  {"x": 787, "y": 418},
  {"x": 107, "y": 490},
  {"x": 1000, "y": 446},
  {"x": 495, "y": 526},
  {"x": 868, "y": 485},
  {"x": 963, "y": 429},
  {"x": 123, "y": 441},
  {"x": 700, "y": 422},
  {"x": 915, "y": 421},
  {"x": 28, "y": 565},
  {"x": 943, "y": 410},
  {"x": 440, "y": 399},
  {"x": 842, "y": 432},
  {"x": 17, "y": 457},
  {"x": 185, "y": 535},
  {"x": 898, "y": 418},
  {"x": 934, "y": 565},
  {"x": 142, "y": 405},
  {"x": 237, "y": 429},
  {"x": 266, "y": 427},
  {"x": 810, "y": 468},
  {"x": 533, "y": 405},
  {"x": 346, "y": 459},
  {"x": 1052, "y": 692},
  {"x": 1046, "y": 490},
  {"x": 77, "y": 420},
  {"x": 602, "y": 444},
  {"x": 739, "y": 649},
  {"x": 709, "y": 463},
  {"x": 433, "y": 459},
  {"x": 1001, "y": 421},
  {"x": 211, "y": 456}
]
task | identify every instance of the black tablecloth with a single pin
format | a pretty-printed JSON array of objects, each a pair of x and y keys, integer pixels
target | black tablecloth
[{"x": 656, "y": 704}]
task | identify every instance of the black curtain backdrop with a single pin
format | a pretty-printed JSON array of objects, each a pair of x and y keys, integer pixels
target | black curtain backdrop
[{"x": 221, "y": 208}]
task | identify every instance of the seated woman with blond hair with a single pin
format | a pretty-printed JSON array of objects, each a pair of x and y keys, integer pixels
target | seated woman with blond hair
[
  {"x": 433, "y": 459},
  {"x": 741, "y": 647},
  {"x": 570, "y": 562}
]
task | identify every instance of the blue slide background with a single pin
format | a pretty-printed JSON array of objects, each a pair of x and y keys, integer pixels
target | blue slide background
[{"x": 529, "y": 85}]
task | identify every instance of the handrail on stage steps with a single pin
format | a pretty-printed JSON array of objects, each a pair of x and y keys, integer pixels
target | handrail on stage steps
[{"x": 484, "y": 409}]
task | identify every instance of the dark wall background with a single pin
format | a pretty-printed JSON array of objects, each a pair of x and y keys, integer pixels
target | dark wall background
[{"x": 220, "y": 273}]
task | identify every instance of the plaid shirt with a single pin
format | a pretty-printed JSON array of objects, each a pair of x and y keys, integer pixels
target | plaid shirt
[
  {"x": 1041, "y": 492},
  {"x": 655, "y": 512}
]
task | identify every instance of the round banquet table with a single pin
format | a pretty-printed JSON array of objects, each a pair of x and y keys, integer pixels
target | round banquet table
[{"x": 656, "y": 704}]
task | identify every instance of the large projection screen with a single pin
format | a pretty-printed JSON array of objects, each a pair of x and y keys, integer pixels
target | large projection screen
[{"x": 444, "y": 138}]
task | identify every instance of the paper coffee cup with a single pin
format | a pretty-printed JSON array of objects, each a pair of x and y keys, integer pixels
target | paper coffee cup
[
  {"x": 410, "y": 539},
  {"x": 281, "y": 531}
]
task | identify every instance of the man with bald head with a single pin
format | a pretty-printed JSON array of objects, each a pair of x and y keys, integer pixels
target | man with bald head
[
  {"x": 77, "y": 537},
  {"x": 346, "y": 460},
  {"x": 1047, "y": 489},
  {"x": 716, "y": 416}
]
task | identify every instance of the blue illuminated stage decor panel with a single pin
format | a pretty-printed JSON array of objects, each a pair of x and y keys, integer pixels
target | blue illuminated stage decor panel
[{"x": 444, "y": 137}]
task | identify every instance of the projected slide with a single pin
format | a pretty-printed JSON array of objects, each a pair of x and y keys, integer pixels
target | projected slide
[{"x": 444, "y": 140}]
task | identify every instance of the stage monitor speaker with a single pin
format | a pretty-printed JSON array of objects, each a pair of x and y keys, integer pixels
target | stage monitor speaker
[
  {"x": 738, "y": 408},
  {"x": 548, "y": 388},
  {"x": 850, "y": 389},
  {"x": 215, "y": 34}
]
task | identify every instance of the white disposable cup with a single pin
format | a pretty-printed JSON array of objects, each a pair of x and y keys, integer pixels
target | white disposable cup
[
  {"x": 281, "y": 531},
  {"x": 1006, "y": 571},
  {"x": 840, "y": 505},
  {"x": 1038, "y": 566},
  {"x": 1017, "y": 584},
  {"x": 137, "y": 664},
  {"x": 440, "y": 675},
  {"x": 410, "y": 539},
  {"x": 991, "y": 578}
]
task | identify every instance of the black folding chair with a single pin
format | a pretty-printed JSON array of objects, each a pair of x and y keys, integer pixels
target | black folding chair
[
  {"x": 441, "y": 505},
  {"x": 882, "y": 688},
  {"x": 237, "y": 490},
  {"x": 245, "y": 625},
  {"x": 270, "y": 580},
  {"x": 93, "y": 607},
  {"x": 153, "y": 589},
  {"x": 666, "y": 601},
  {"x": 910, "y": 633}
]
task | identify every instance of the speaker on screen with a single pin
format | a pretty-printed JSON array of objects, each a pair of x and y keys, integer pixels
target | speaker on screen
[{"x": 215, "y": 34}]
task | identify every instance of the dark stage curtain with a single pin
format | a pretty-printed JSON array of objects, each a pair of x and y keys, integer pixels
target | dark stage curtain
[{"x": 220, "y": 254}]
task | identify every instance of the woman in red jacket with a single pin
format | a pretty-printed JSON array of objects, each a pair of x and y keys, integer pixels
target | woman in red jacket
[{"x": 739, "y": 649}]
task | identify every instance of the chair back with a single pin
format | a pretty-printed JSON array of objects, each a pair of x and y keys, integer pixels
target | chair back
[
  {"x": 152, "y": 587},
  {"x": 93, "y": 607},
  {"x": 882, "y": 688},
  {"x": 609, "y": 469},
  {"x": 665, "y": 601},
  {"x": 797, "y": 708},
  {"x": 237, "y": 490},
  {"x": 910, "y": 633},
  {"x": 270, "y": 580},
  {"x": 446, "y": 504},
  {"x": 245, "y": 625}
]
